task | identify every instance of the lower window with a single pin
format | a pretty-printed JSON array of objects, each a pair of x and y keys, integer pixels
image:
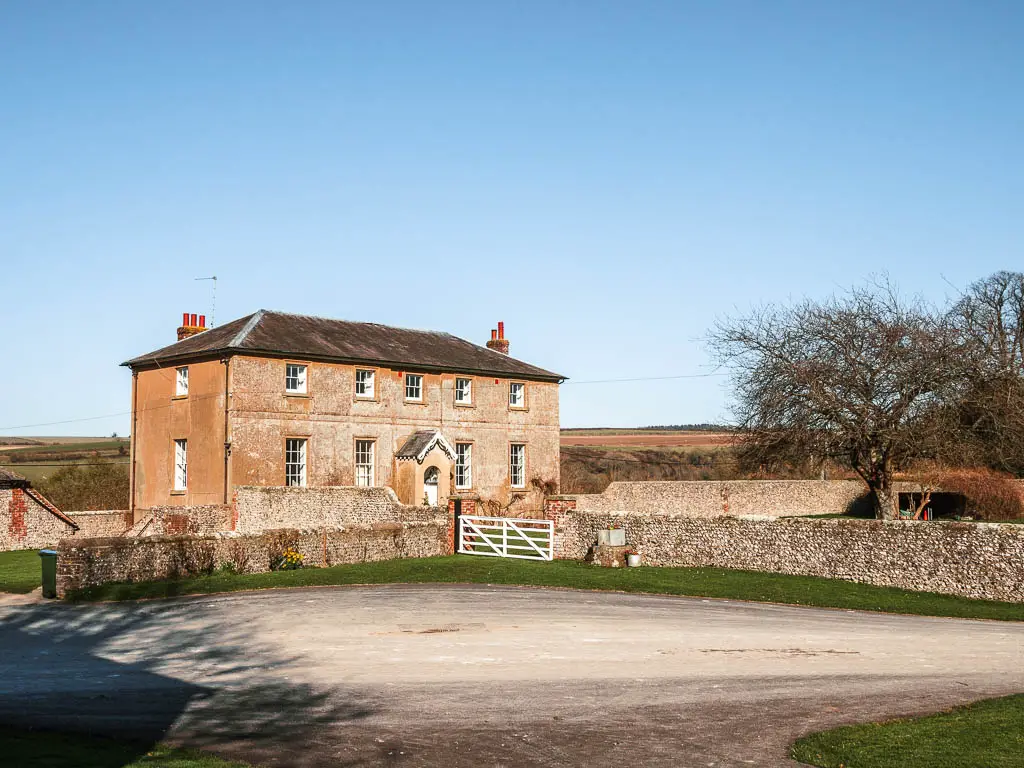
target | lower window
[
  {"x": 364, "y": 462},
  {"x": 463, "y": 465},
  {"x": 517, "y": 465},
  {"x": 295, "y": 462},
  {"x": 180, "y": 465}
]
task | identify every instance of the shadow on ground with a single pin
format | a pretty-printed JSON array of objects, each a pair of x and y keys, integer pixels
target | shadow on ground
[{"x": 74, "y": 669}]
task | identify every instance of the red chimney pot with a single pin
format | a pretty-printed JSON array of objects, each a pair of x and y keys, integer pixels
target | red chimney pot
[
  {"x": 202, "y": 321},
  {"x": 501, "y": 330},
  {"x": 184, "y": 318},
  {"x": 194, "y": 321},
  {"x": 494, "y": 334}
]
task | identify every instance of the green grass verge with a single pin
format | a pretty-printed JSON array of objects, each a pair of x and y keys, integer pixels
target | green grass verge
[
  {"x": 20, "y": 572},
  {"x": 696, "y": 582},
  {"x": 989, "y": 733},
  {"x": 45, "y": 749}
]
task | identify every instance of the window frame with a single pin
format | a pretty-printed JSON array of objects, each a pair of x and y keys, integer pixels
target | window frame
[
  {"x": 304, "y": 392},
  {"x": 511, "y": 482},
  {"x": 468, "y": 469},
  {"x": 179, "y": 483},
  {"x": 180, "y": 381},
  {"x": 372, "y": 442},
  {"x": 467, "y": 403},
  {"x": 304, "y": 452},
  {"x": 523, "y": 405},
  {"x": 405, "y": 384},
  {"x": 373, "y": 384}
]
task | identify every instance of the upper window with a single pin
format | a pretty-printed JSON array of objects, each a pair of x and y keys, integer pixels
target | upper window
[
  {"x": 516, "y": 394},
  {"x": 464, "y": 391},
  {"x": 295, "y": 462},
  {"x": 295, "y": 378},
  {"x": 364, "y": 383},
  {"x": 463, "y": 465},
  {"x": 181, "y": 381},
  {"x": 180, "y": 465},
  {"x": 364, "y": 462},
  {"x": 517, "y": 465},
  {"x": 413, "y": 386}
]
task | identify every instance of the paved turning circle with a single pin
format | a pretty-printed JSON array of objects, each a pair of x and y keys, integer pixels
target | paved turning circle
[{"x": 477, "y": 676}]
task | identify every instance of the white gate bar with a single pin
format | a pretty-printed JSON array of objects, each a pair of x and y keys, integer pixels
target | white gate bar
[{"x": 489, "y": 536}]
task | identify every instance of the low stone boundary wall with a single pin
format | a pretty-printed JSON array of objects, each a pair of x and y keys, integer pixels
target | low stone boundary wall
[
  {"x": 89, "y": 562},
  {"x": 192, "y": 519},
  {"x": 108, "y": 522},
  {"x": 977, "y": 560},
  {"x": 711, "y": 498},
  {"x": 268, "y": 508}
]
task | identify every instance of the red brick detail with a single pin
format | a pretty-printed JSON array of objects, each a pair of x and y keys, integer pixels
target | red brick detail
[
  {"x": 234, "y": 511},
  {"x": 18, "y": 507},
  {"x": 175, "y": 525},
  {"x": 558, "y": 510}
]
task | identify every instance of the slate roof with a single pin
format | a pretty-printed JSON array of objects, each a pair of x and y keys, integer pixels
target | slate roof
[
  {"x": 11, "y": 480},
  {"x": 318, "y": 338},
  {"x": 417, "y": 442}
]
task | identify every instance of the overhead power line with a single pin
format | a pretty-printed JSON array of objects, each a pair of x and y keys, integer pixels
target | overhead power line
[{"x": 648, "y": 378}]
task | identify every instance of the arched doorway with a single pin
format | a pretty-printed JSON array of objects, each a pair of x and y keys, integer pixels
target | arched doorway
[{"x": 431, "y": 478}]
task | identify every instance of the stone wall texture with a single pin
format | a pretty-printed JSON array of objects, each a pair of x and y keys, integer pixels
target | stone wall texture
[
  {"x": 191, "y": 519},
  {"x": 110, "y": 522},
  {"x": 259, "y": 509},
  {"x": 89, "y": 562},
  {"x": 27, "y": 523},
  {"x": 711, "y": 498},
  {"x": 977, "y": 560}
]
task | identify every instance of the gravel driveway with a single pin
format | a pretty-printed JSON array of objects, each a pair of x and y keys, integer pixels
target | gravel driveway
[{"x": 449, "y": 676}]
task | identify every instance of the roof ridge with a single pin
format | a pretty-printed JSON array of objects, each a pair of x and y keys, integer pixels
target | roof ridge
[
  {"x": 362, "y": 322},
  {"x": 247, "y": 328}
]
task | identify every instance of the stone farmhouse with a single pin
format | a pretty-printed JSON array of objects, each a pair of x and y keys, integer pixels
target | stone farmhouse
[{"x": 276, "y": 399}]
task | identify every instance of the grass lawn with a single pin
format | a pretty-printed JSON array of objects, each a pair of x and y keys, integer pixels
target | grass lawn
[
  {"x": 20, "y": 572},
  {"x": 43, "y": 749},
  {"x": 697, "y": 582},
  {"x": 989, "y": 733}
]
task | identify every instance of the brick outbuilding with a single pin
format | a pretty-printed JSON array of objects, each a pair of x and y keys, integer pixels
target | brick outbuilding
[{"x": 27, "y": 519}]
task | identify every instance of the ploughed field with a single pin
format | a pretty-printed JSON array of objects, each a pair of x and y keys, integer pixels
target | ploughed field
[
  {"x": 36, "y": 458},
  {"x": 643, "y": 438}
]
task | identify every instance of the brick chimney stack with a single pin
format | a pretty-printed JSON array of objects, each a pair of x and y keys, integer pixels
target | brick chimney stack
[
  {"x": 191, "y": 325},
  {"x": 498, "y": 341}
]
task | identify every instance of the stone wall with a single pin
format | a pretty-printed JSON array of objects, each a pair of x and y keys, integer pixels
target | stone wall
[
  {"x": 88, "y": 562},
  {"x": 28, "y": 521},
  {"x": 110, "y": 522},
  {"x": 978, "y": 560},
  {"x": 259, "y": 509},
  {"x": 191, "y": 519},
  {"x": 711, "y": 498}
]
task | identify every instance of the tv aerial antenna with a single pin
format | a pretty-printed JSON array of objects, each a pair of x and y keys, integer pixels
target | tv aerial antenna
[{"x": 213, "y": 298}]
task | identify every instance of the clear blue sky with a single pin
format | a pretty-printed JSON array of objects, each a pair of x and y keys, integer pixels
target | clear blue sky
[{"x": 605, "y": 177}]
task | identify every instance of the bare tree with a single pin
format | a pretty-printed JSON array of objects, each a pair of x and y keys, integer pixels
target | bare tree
[
  {"x": 863, "y": 379},
  {"x": 990, "y": 319}
]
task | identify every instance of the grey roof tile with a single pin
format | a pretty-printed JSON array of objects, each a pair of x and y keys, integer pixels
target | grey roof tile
[{"x": 282, "y": 334}]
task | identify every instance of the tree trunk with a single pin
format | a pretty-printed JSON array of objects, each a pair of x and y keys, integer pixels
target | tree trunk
[{"x": 886, "y": 502}]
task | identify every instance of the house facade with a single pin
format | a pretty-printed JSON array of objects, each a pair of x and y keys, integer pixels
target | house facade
[{"x": 276, "y": 399}]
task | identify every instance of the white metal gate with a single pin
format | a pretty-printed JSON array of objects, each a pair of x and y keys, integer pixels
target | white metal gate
[{"x": 506, "y": 537}]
